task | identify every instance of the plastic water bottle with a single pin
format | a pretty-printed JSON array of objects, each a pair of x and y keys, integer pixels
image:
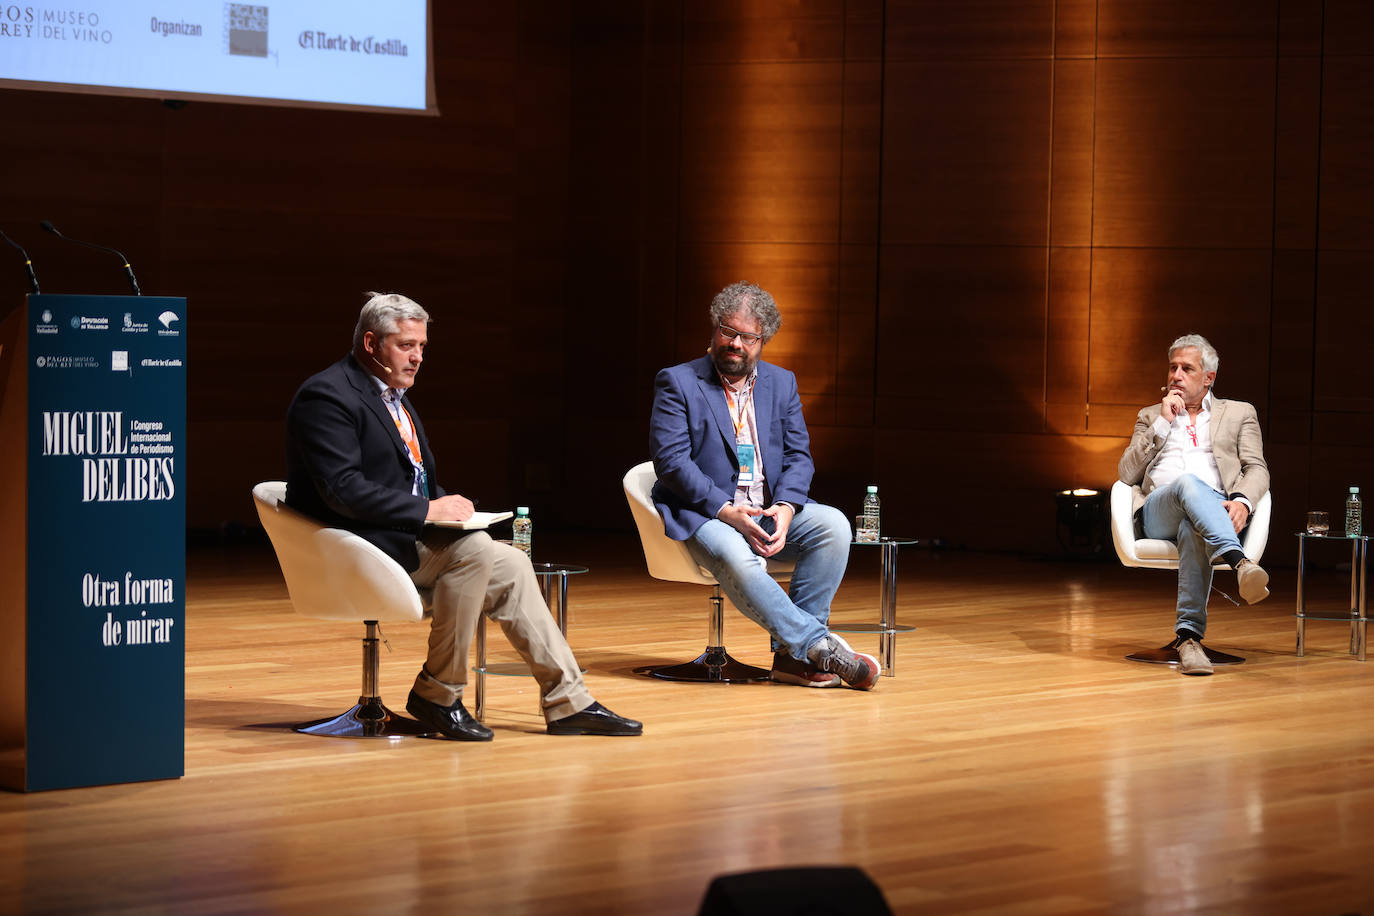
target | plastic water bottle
[
  {"x": 872, "y": 514},
  {"x": 522, "y": 527},
  {"x": 1354, "y": 517}
]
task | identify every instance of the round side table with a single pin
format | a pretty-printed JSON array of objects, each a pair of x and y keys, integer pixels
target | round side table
[
  {"x": 553, "y": 578},
  {"x": 887, "y": 626}
]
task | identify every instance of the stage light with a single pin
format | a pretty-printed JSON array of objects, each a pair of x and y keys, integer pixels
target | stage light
[{"x": 1081, "y": 520}]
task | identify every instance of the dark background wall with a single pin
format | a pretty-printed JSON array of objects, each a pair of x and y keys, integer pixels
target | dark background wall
[{"x": 984, "y": 221}]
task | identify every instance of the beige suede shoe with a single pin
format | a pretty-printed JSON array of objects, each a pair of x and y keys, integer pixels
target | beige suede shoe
[
  {"x": 1191, "y": 658},
  {"x": 1253, "y": 581}
]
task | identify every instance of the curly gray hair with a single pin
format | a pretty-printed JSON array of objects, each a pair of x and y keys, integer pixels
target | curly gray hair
[{"x": 750, "y": 298}]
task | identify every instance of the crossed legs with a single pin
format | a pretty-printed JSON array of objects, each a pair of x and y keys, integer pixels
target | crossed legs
[
  {"x": 471, "y": 574},
  {"x": 1190, "y": 513}
]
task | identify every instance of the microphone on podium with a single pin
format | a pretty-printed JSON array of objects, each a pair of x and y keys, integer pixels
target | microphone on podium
[
  {"x": 28, "y": 262},
  {"x": 128, "y": 270}
]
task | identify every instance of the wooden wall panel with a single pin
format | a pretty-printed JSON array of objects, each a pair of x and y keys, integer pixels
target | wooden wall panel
[
  {"x": 1347, "y": 182},
  {"x": 1300, "y": 27},
  {"x": 1344, "y": 327},
  {"x": 1348, "y": 27},
  {"x": 1075, "y": 29},
  {"x": 856, "y": 336},
  {"x": 624, "y": 179},
  {"x": 1066, "y": 341},
  {"x": 863, "y": 29},
  {"x": 761, "y": 152},
  {"x": 1142, "y": 299},
  {"x": 862, "y": 125},
  {"x": 1071, "y": 176},
  {"x": 726, "y": 31},
  {"x": 1296, "y": 141},
  {"x": 1184, "y": 153},
  {"x": 966, "y": 153},
  {"x": 1186, "y": 28},
  {"x": 1292, "y": 329},
  {"x": 924, "y": 30},
  {"x": 961, "y": 337},
  {"x": 1290, "y": 481}
]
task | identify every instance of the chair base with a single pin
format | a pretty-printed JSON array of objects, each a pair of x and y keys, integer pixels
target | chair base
[
  {"x": 714, "y": 666},
  {"x": 368, "y": 719},
  {"x": 1168, "y": 655}
]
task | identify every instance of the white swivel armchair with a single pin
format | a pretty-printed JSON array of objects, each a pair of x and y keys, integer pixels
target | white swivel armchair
[
  {"x": 332, "y": 574},
  {"x": 1151, "y": 553},
  {"x": 671, "y": 561}
]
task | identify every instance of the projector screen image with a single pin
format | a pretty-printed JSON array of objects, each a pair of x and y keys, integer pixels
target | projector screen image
[{"x": 318, "y": 53}]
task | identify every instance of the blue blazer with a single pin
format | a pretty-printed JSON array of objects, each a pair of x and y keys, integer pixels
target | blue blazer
[
  {"x": 692, "y": 441},
  {"x": 347, "y": 465}
]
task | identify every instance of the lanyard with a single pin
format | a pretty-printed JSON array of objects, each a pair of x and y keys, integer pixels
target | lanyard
[
  {"x": 743, "y": 404},
  {"x": 406, "y": 430}
]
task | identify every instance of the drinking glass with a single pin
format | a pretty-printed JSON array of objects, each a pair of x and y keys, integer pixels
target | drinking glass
[{"x": 1318, "y": 523}]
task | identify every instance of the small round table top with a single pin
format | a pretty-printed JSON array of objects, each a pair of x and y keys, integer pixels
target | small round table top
[
  {"x": 884, "y": 539},
  {"x": 558, "y": 569},
  {"x": 1331, "y": 536}
]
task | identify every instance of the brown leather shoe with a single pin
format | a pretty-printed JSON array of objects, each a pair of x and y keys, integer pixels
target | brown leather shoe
[{"x": 787, "y": 670}]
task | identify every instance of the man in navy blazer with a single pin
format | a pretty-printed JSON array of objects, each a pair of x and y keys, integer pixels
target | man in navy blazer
[
  {"x": 357, "y": 458},
  {"x": 733, "y": 460}
]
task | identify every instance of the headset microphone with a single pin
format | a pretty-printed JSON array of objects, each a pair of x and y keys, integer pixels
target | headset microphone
[{"x": 383, "y": 366}]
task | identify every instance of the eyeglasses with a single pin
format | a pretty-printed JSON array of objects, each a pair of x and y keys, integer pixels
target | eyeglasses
[{"x": 730, "y": 333}]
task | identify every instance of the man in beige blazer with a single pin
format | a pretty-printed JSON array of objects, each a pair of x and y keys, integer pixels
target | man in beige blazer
[{"x": 1197, "y": 465}]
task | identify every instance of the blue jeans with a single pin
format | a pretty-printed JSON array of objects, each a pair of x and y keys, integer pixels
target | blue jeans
[
  {"x": 1190, "y": 513},
  {"x": 818, "y": 541}
]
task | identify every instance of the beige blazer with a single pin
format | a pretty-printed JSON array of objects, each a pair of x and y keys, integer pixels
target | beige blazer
[{"x": 1236, "y": 445}]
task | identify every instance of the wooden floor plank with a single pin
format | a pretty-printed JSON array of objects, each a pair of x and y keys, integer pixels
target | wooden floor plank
[{"x": 1016, "y": 763}]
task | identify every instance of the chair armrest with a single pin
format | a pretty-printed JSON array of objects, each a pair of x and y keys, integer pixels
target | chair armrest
[
  {"x": 1123, "y": 524},
  {"x": 1257, "y": 535}
]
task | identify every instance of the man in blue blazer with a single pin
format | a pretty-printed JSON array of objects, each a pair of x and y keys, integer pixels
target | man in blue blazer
[
  {"x": 357, "y": 458},
  {"x": 734, "y": 468}
]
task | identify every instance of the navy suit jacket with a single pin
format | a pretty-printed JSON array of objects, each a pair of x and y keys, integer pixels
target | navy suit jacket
[
  {"x": 692, "y": 441},
  {"x": 347, "y": 465}
]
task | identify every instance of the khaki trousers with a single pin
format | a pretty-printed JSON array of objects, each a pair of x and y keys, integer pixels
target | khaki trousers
[{"x": 471, "y": 574}]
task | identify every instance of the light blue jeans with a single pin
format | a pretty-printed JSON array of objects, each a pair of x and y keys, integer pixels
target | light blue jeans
[
  {"x": 818, "y": 541},
  {"x": 1190, "y": 513}
]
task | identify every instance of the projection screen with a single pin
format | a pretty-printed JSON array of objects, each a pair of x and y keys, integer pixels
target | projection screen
[{"x": 370, "y": 55}]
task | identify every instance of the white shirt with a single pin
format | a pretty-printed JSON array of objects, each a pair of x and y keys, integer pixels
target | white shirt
[{"x": 1187, "y": 448}]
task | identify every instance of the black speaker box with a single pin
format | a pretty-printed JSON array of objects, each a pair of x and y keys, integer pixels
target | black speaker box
[{"x": 827, "y": 891}]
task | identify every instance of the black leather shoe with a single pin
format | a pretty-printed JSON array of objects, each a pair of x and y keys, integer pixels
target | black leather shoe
[
  {"x": 449, "y": 721},
  {"x": 595, "y": 720}
]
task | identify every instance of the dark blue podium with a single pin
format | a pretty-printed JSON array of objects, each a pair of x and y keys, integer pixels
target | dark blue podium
[{"x": 92, "y": 541}]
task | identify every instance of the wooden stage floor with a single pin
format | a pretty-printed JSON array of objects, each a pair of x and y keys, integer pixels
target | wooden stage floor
[{"x": 1015, "y": 764}]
